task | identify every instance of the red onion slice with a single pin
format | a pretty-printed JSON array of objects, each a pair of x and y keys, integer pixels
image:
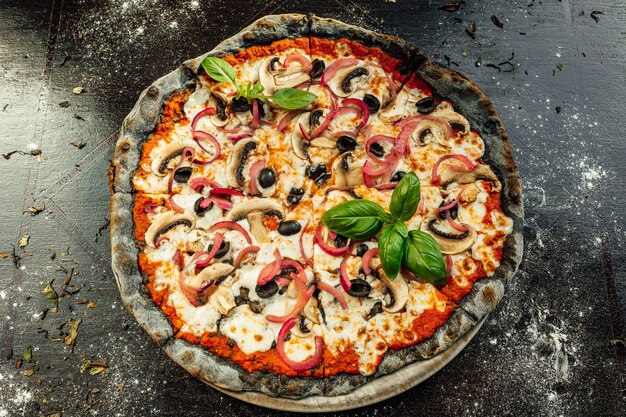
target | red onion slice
[
  {"x": 329, "y": 118},
  {"x": 226, "y": 191},
  {"x": 148, "y": 208},
  {"x": 302, "y": 251},
  {"x": 304, "y": 62},
  {"x": 187, "y": 152},
  {"x": 334, "y": 292},
  {"x": 344, "y": 279},
  {"x": 221, "y": 202},
  {"x": 434, "y": 176},
  {"x": 376, "y": 139},
  {"x": 298, "y": 366},
  {"x": 255, "y": 115},
  {"x": 304, "y": 295},
  {"x": 254, "y": 172},
  {"x": 242, "y": 254},
  {"x": 237, "y": 138},
  {"x": 206, "y": 112},
  {"x": 455, "y": 225},
  {"x": 367, "y": 259},
  {"x": 287, "y": 118},
  {"x": 175, "y": 207},
  {"x": 217, "y": 242},
  {"x": 227, "y": 224},
  {"x": 449, "y": 265},
  {"x": 360, "y": 104},
  {"x": 270, "y": 270},
  {"x": 319, "y": 239},
  {"x": 336, "y": 66}
]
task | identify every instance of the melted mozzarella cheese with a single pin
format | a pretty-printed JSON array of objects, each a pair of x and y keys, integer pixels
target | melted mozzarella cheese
[{"x": 248, "y": 329}]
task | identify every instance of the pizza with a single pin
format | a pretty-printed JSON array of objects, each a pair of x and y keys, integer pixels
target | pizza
[{"x": 225, "y": 174}]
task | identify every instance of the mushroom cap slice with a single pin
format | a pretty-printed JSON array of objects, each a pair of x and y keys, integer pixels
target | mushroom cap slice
[
  {"x": 246, "y": 207},
  {"x": 257, "y": 228},
  {"x": 298, "y": 143},
  {"x": 347, "y": 174},
  {"x": 210, "y": 274},
  {"x": 164, "y": 223},
  {"x": 222, "y": 298},
  {"x": 399, "y": 290},
  {"x": 311, "y": 311},
  {"x": 237, "y": 159},
  {"x": 215, "y": 102},
  {"x": 447, "y": 113},
  {"x": 429, "y": 131},
  {"x": 396, "y": 109},
  {"x": 346, "y": 80},
  {"x": 171, "y": 151},
  {"x": 273, "y": 76},
  {"x": 450, "y": 240},
  {"x": 481, "y": 172}
]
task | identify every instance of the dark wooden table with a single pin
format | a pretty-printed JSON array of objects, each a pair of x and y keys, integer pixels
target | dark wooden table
[{"x": 556, "y": 72}]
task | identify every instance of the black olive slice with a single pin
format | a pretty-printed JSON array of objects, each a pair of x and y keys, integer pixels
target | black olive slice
[
  {"x": 340, "y": 241},
  {"x": 359, "y": 288},
  {"x": 289, "y": 227},
  {"x": 361, "y": 249},
  {"x": 267, "y": 177},
  {"x": 240, "y": 104},
  {"x": 377, "y": 149},
  {"x": 426, "y": 105},
  {"x": 182, "y": 174},
  {"x": 267, "y": 290},
  {"x": 318, "y": 68},
  {"x": 454, "y": 211},
  {"x": 220, "y": 111},
  {"x": 199, "y": 210},
  {"x": 295, "y": 195},
  {"x": 372, "y": 103},
  {"x": 167, "y": 160},
  {"x": 170, "y": 226},
  {"x": 397, "y": 176},
  {"x": 315, "y": 171},
  {"x": 248, "y": 147},
  {"x": 302, "y": 325},
  {"x": 345, "y": 144},
  {"x": 315, "y": 118},
  {"x": 273, "y": 63}
]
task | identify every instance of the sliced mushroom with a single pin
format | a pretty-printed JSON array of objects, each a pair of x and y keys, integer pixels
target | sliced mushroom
[
  {"x": 311, "y": 311},
  {"x": 211, "y": 273},
  {"x": 480, "y": 173},
  {"x": 166, "y": 222},
  {"x": 298, "y": 143},
  {"x": 237, "y": 160},
  {"x": 272, "y": 75},
  {"x": 323, "y": 142},
  {"x": 171, "y": 151},
  {"x": 396, "y": 109},
  {"x": 346, "y": 172},
  {"x": 446, "y": 112},
  {"x": 254, "y": 209},
  {"x": 469, "y": 193},
  {"x": 220, "y": 118},
  {"x": 429, "y": 131},
  {"x": 222, "y": 298},
  {"x": 398, "y": 291},
  {"x": 347, "y": 80},
  {"x": 303, "y": 327},
  {"x": 450, "y": 240}
]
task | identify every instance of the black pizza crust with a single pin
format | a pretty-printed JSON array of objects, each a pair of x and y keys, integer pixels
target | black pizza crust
[{"x": 462, "y": 92}]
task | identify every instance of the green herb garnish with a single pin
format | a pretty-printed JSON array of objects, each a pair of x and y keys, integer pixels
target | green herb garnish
[
  {"x": 416, "y": 250},
  {"x": 287, "y": 98}
]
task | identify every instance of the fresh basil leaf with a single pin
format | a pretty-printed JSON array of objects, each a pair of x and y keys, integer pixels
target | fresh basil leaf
[
  {"x": 401, "y": 229},
  {"x": 405, "y": 197},
  {"x": 391, "y": 245},
  {"x": 423, "y": 258},
  {"x": 292, "y": 98},
  {"x": 219, "y": 70},
  {"x": 356, "y": 219}
]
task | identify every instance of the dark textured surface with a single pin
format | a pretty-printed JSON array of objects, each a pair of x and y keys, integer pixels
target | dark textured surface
[{"x": 554, "y": 347}]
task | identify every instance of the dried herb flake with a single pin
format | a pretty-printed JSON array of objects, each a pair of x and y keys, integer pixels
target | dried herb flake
[
  {"x": 451, "y": 7},
  {"x": 23, "y": 241},
  {"x": 70, "y": 338},
  {"x": 497, "y": 21},
  {"x": 94, "y": 367},
  {"x": 36, "y": 210},
  {"x": 51, "y": 295},
  {"x": 80, "y": 144},
  {"x": 77, "y": 90},
  {"x": 594, "y": 15},
  {"x": 65, "y": 104},
  {"x": 28, "y": 354}
]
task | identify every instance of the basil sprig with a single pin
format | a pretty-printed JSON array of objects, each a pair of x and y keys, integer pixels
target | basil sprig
[
  {"x": 415, "y": 250},
  {"x": 287, "y": 98}
]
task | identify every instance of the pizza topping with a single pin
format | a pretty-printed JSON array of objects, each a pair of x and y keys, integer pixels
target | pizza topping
[
  {"x": 317, "y": 68},
  {"x": 267, "y": 178},
  {"x": 287, "y": 118},
  {"x": 373, "y": 148},
  {"x": 218, "y": 117},
  {"x": 300, "y": 136},
  {"x": 335, "y": 293},
  {"x": 203, "y": 113},
  {"x": 295, "y": 195},
  {"x": 434, "y": 177},
  {"x": 368, "y": 255},
  {"x": 161, "y": 161},
  {"x": 266, "y": 290},
  {"x": 426, "y": 105},
  {"x": 273, "y": 75},
  {"x": 200, "y": 136},
  {"x": 270, "y": 270},
  {"x": 227, "y": 224},
  {"x": 222, "y": 299},
  {"x": 255, "y": 171},
  {"x": 237, "y": 160},
  {"x": 478, "y": 173},
  {"x": 303, "y": 294},
  {"x": 398, "y": 291},
  {"x": 317, "y": 173},
  {"x": 360, "y": 105},
  {"x": 372, "y": 102},
  {"x": 345, "y": 144},
  {"x": 165, "y": 222},
  {"x": 450, "y": 239},
  {"x": 198, "y": 209},
  {"x": 182, "y": 174},
  {"x": 348, "y": 79},
  {"x": 396, "y": 109},
  {"x": 321, "y": 242},
  {"x": 298, "y": 366},
  {"x": 242, "y": 254},
  {"x": 359, "y": 288},
  {"x": 223, "y": 250},
  {"x": 347, "y": 173},
  {"x": 304, "y": 62},
  {"x": 289, "y": 227}
]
